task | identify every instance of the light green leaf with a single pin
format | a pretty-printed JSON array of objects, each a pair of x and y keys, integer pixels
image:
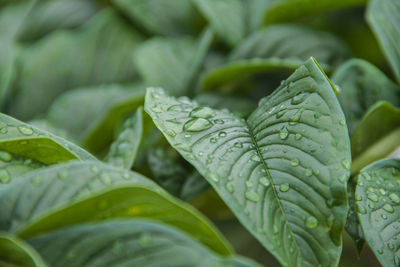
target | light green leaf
[
  {"x": 13, "y": 166},
  {"x": 377, "y": 135},
  {"x": 283, "y": 171},
  {"x": 85, "y": 61},
  {"x": 127, "y": 243},
  {"x": 75, "y": 192},
  {"x": 362, "y": 85},
  {"x": 124, "y": 149},
  {"x": 172, "y": 63},
  {"x": 383, "y": 17},
  {"x": 275, "y": 41},
  {"x": 171, "y": 18},
  {"x": 237, "y": 70},
  {"x": 288, "y": 10},
  {"x": 378, "y": 207},
  {"x": 25, "y": 140},
  {"x": 92, "y": 114},
  {"x": 226, "y": 17},
  {"x": 47, "y": 16},
  {"x": 15, "y": 252}
]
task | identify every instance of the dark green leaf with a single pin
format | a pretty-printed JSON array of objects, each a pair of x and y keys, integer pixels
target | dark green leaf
[
  {"x": 287, "y": 10},
  {"x": 66, "y": 60},
  {"x": 172, "y": 63},
  {"x": 124, "y": 149},
  {"x": 383, "y": 17},
  {"x": 378, "y": 207},
  {"x": 172, "y": 17},
  {"x": 240, "y": 106},
  {"x": 362, "y": 85},
  {"x": 226, "y": 17},
  {"x": 171, "y": 173},
  {"x": 127, "y": 243},
  {"x": 276, "y": 41},
  {"x": 75, "y": 192},
  {"x": 47, "y": 16},
  {"x": 240, "y": 69},
  {"x": 377, "y": 135},
  {"x": 23, "y": 139},
  {"x": 283, "y": 172},
  {"x": 15, "y": 252}
]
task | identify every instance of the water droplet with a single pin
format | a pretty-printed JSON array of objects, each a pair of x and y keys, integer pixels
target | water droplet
[
  {"x": 218, "y": 121},
  {"x": 177, "y": 108},
  {"x": 25, "y": 130},
  {"x": 308, "y": 172},
  {"x": 222, "y": 134},
  {"x": 252, "y": 196},
  {"x": 366, "y": 176},
  {"x": 387, "y": 207},
  {"x": 343, "y": 178},
  {"x": 394, "y": 197},
  {"x": 255, "y": 158},
  {"x": 283, "y": 134},
  {"x": 284, "y": 187},
  {"x": 346, "y": 164},
  {"x": 170, "y": 132},
  {"x": 361, "y": 209},
  {"x": 36, "y": 180},
  {"x": 382, "y": 191},
  {"x": 238, "y": 145},
  {"x": 105, "y": 179},
  {"x": 358, "y": 198},
  {"x": 230, "y": 187},
  {"x": 214, "y": 177},
  {"x": 333, "y": 143},
  {"x": 342, "y": 122},
  {"x": 373, "y": 197},
  {"x": 5, "y": 156},
  {"x": 296, "y": 117},
  {"x": 184, "y": 147},
  {"x": 311, "y": 222},
  {"x": 280, "y": 113},
  {"x": 63, "y": 175},
  {"x": 213, "y": 140},
  {"x": 390, "y": 245},
  {"x": 298, "y": 136},
  {"x": 264, "y": 181},
  {"x": 383, "y": 216},
  {"x": 4, "y": 176},
  {"x": 197, "y": 125},
  {"x": 371, "y": 206},
  {"x": 202, "y": 112},
  {"x": 380, "y": 251},
  {"x": 299, "y": 98},
  {"x": 294, "y": 162},
  {"x": 156, "y": 109},
  {"x": 317, "y": 115},
  {"x": 249, "y": 183}
]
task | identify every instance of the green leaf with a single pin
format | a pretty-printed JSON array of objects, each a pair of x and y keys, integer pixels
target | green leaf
[
  {"x": 273, "y": 41},
  {"x": 173, "y": 175},
  {"x": 23, "y": 139},
  {"x": 47, "y": 16},
  {"x": 226, "y": 17},
  {"x": 377, "y": 135},
  {"x": 85, "y": 61},
  {"x": 171, "y": 63},
  {"x": 13, "y": 166},
  {"x": 257, "y": 9},
  {"x": 353, "y": 226},
  {"x": 362, "y": 85},
  {"x": 239, "y": 105},
  {"x": 171, "y": 18},
  {"x": 75, "y": 192},
  {"x": 240, "y": 69},
  {"x": 378, "y": 207},
  {"x": 15, "y": 252},
  {"x": 92, "y": 114},
  {"x": 287, "y": 10},
  {"x": 283, "y": 171},
  {"x": 127, "y": 243},
  {"x": 383, "y": 18},
  {"x": 124, "y": 149}
]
